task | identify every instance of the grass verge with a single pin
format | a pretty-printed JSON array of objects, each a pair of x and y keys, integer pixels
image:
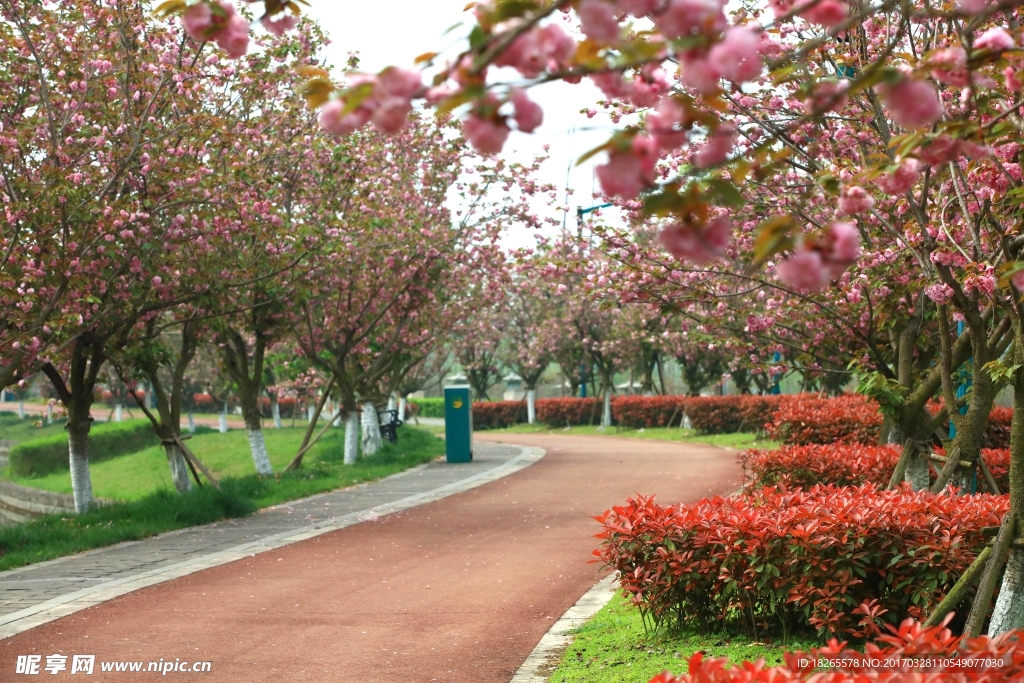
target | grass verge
[
  {"x": 163, "y": 510},
  {"x": 12, "y": 428},
  {"x": 739, "y": 440},
  {"x": 613, "y": 647}
]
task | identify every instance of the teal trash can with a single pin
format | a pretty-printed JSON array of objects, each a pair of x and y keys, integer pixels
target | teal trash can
[{"x": 458, "y": 424}]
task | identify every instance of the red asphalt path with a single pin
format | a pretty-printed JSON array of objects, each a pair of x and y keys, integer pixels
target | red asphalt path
[{"x": 461, "y": 589}]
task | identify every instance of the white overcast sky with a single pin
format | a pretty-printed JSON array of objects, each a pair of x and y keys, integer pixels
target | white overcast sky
[{"x": 394, "y": 33}]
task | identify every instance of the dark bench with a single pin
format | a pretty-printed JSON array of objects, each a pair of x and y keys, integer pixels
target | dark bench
[{"x": 389, "y": 429}]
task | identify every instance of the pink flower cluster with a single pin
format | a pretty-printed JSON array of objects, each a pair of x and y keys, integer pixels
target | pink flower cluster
[
  {"x": 387, "y": 105},
  {"x": 698, "y": 245},
  {"x": 939, "y": 293},
  {"x": 913, "y": 103},
  {"x": 827, "y": 13},
  {"x": 854, "y": 199},
  {"x": 218, "y": 21},
  {"x": 811, "y": 267}
]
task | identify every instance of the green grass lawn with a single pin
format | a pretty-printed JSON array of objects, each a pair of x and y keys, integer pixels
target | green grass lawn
[
  {"x": 613, "y": 647},
  {"x": 739, "y": 440},
  {"x": 133, "y": 476},
  {"x": 16, "y": 430},
  {"x": 148, "y": 505}
]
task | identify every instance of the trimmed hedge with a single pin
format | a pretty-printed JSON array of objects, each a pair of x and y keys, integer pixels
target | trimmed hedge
[
  {"x": 427, "y": 407},
  {"x": 106, "y": 440},
  {"x": 648, "y": 411},
  {"x": 847, "y": 419},
  {"x": 569, "y": 412},
  {"x": 807, "y": 466},
  {"x": 795, "y": 560},
  {"x": 498, "y": 414}
]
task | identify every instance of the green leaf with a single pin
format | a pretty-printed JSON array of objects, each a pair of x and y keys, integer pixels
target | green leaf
[{"x": 724, "y": 193}]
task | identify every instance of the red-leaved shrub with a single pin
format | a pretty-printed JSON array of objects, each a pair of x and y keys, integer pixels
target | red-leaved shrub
[
  {"x": 285, "y": 405},
  {"x": 498, "y": 414},
  {"x": 728, "y": 414},
  {"x": 648, "y": 411},
  {"x": 806, "y": 466},
  {"x": 569, "y": 412},
  {"x": 848, "y": 419},
  {"x": 795, "y": 559},
  {"x": 980, "y": 660},
  {"x": 997, "y": 433}
]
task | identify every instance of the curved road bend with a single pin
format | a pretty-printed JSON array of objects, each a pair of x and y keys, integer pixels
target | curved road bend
[{"x": 458, "y": 590}]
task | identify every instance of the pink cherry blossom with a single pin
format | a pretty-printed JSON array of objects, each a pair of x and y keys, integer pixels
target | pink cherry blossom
[
  {"x": 332, "y": 120},
  {"x": 738, "y": 56},
  {"x": 827, "y": 13},
  {"x": 901, "y": 180},
  {"x": 556, "y": 43},
  {"x": 844, "y": 240},
  {"x": 855, "y": 199},
  {"x": 973, "y": 6},
  {"x": 698, "y": 246},
  {"x": 391, "y": 114},
  {"x": 637, "y": 8},
  {"x": 804, "y": 271},
  {"x": 662, "y": 123},
  {"x": 995, "y": 39},
  {"x": 949, "y": 66},
  {"x": 623, "y": 176},
  {"x": 282, "y": 24},
  {"x": 486, "y": 135},
  {"x": 197, "y": 20},
  {"x": 683, "y": 18},
  {"x": 940, "y": 293},
  {"x": 598, "y": 21},
  {"x": 941, "y": 150},
  {"x": 717, "y": 148},
  {"x": 400, "y": 82},
  {"x": 828, "y": 95},
  {"x": 528, "y": 114},
  {"x": 913, "y": 103},
  {"x": 234, "y": 38},
  {"x": 1017, "y": 279},
  {"x": 696, "y": 72}
]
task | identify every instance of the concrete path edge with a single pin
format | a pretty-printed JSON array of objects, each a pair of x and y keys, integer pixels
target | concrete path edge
[
  {"x": 51, "y": 610},
  {"x": 537, "y": 667}
]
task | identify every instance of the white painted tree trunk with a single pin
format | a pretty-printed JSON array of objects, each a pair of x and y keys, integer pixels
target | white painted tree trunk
[
  {"x": 81, "y": 483},
  {"x": 222, "y": 419},
  {"x": 606, "y": 413},
  {"x": 275, "y": 410},
  {"x": 352, "y": 438},
  {"x": 21, "y": 410},
  {"x": 391, "y": 403},
  {"x": 49, "y": 413},
  {"x": 371, "y": 441},
  {"x": 179, "y": 468},
  {"x": 916, "y": 473},
  {"x": 402, "y": 405},
  {"x": 531, "y": 406},
  {"x": 685, "y": 422},
  {"x": 258, "y": 448},
  {"x": 118, "y": 413},
  {"x": 309, "y": 413},
  {"x": 191, "y": 422},
  {"x": 1008, "y": 613}
]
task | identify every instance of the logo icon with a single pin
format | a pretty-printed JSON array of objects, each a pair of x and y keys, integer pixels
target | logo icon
[{"x": 457, "y": 403}]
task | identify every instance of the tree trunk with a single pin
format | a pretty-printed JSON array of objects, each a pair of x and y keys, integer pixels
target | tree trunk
[
  {"x": 275, "y": 411},
  {"x": 401, "y": 408},
  {"x": 118, "y": 413},
  {"x": 309, "y": 413},
  {"x": 371, "y": 441},
  {"x": 352, "y": 437},
  {"x": 179, "y": 468},
  {"x": 1008, "y": 613},
  {"x": 21, "y": 410},
  {"x": 391, "y": 402},
  {"x": 78, "y": 447},
  {"x": 606, "y": 412},
  {"x": 531, "y": 406},
  {"x": 917, "y": 468},
  {"x": 191, "y": 422},
  {"x": 249, "y": 397},
  {"x": 222, "y": 419},
  {"x": 49, "y": 413}
]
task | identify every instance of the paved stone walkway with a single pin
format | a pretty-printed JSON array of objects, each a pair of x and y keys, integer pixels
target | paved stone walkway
[{"x": 40, "y": 593}]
